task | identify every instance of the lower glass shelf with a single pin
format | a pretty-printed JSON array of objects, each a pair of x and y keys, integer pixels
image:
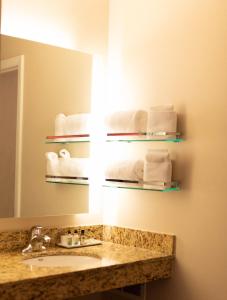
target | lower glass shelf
[{"x": 118, "y": 185}]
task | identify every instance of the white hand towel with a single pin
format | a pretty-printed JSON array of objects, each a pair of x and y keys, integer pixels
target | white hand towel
[
  {"x": 157, "y": 167},
  {"x": 60, "y": 125},
  {"x": 74, "y": 167},
  {"x": 52, "y": 164},
  {"x": 126, "y": 121},
  {"x": 129, "y": 170},
  {"x": 162, "y": 119}
]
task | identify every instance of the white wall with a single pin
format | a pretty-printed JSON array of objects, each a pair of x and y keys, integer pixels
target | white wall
[{"x": 176, "y": 52}]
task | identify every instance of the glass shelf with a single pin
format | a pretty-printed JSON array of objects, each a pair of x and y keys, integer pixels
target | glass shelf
[
  {"x": 55, "y": 179},
  {"x": 118, "y": 185},
  {"x": 117, "y": 137}
]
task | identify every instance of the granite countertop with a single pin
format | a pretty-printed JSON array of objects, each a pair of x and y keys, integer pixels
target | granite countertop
[{"x": 120, "y": 266}]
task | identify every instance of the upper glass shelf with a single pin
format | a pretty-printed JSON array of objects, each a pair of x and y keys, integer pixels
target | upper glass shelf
[
  {"x": 118, "y": 137},
  {"x": 120, "y": 185}
]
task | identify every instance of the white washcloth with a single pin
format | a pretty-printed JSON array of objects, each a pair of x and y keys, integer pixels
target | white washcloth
[
  {"x": 72, "y": 124},
  {"x": 162, "y": 119},
  {"x": 126, "y": 121},
  {"x": 131, "y": 170},
  {"x": 157, "y": 167}
]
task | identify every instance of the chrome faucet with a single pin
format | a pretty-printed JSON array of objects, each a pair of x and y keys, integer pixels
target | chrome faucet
[{"x": 37, "y": 240}]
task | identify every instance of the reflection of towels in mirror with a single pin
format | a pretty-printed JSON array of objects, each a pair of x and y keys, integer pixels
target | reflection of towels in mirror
[
  {"x": 162, "y": 118},
  {"x": 126, "y": 121},
  {"x": 128, "y": 170},
  {"x": 52, "y": 164},
  {"x": 72, "y": 124},
  {"x": 64, "y": 153},
  {"x": 157, "y": 166},
  {"x": 67, "y": 166}
]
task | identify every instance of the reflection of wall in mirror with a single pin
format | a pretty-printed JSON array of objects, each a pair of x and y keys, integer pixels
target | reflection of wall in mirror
[{"x": 56, "y": 80}]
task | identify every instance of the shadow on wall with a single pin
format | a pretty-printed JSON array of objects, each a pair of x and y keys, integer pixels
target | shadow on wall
[{"x": 164, "y": 289}]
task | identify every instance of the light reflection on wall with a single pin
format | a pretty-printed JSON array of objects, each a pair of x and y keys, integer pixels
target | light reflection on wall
[
  {"x": 34, "y": 24},
  {"x": 97, "y": 145}
]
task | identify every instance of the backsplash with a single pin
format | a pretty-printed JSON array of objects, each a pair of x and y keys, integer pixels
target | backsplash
[
  {"x": 163, "y": 243},
  {"x": 138, "y": 238}
]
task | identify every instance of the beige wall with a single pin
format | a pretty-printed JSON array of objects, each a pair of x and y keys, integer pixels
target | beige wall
[
  {"x": 8, "y": 112},
  {"x": 176, "y": 52},
  {"x": 55, "y": 80},
  {"x": 75, "y": 24}
]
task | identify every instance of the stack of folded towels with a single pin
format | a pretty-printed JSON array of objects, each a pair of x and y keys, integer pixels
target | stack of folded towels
[
  {"x": 157, "y": 168},
  {"x": 72, "y": 124},
  {"x": 162, "y": 119},
  {"x": 66, "y": 166}
]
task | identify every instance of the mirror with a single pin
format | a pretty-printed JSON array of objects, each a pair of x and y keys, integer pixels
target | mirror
[{"x": 37, "y": 82}]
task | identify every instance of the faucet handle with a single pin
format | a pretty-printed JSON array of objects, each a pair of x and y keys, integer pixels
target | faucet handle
[{"x": 36, "y": 230}]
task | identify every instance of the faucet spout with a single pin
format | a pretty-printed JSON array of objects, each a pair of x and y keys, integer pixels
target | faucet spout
[{"x": 37, "y": 240}]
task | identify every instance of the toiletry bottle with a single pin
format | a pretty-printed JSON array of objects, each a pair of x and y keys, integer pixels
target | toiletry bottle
[
  {"x": 76, "y": 238},
  {"x": 64, "y": 239},
  {"x": 82, "y": 237},
  {"x": 69, "y": 238}
]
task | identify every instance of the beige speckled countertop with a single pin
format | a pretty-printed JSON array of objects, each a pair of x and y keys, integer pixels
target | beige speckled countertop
[{"x": 120, "y": 266}]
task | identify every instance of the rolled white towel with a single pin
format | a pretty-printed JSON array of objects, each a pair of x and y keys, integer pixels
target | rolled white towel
[
  {"x": 74, "y": 167},
  {"x": 67, "y": 166},
  {"x": 126, "y": 121},
  {"x": 77, "y": 124},
  {"x": 60, "y": 125},
  {"x": 158, "y": 167},
  {"x": 64, "y": 153},
  {"x": 162, "y": 119},
  {"x": 72, "y": 124},
  {"x": 128, "y": 170},
  {"x": 52, "y": 167}
]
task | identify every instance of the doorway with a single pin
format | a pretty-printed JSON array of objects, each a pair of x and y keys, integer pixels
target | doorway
[
  {"x": 11, "y": 104},
  {"x": 8, "y": 115}
]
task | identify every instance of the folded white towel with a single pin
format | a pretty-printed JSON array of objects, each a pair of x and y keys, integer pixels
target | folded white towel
[
  {"x": 162, "y": 119},
  {"x": 128, "y": 170},
  {"x": 157, "y": 167},
  {"x": 126, "y": 121},
  {"x": 60, "y": 125},
  {"x": 67, "y": 166},
  {"x": 72, "y": 124}
]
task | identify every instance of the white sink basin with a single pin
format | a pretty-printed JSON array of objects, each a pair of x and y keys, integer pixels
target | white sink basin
[{"x": 74, "y": 261}]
